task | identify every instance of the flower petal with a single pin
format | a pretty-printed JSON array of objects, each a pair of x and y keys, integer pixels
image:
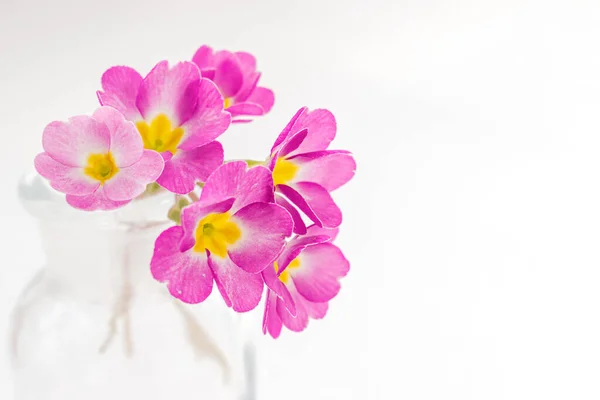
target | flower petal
[
  {"x": 193, "y": 213},
  {"x": 71, "y": 143},
  {"x": 209, "y": 120},
  {"x": 245, "y": 108},
  {"x": 187, "y": 275},
  {"x": 186, "y": 167},
  {"x": 264, "y": 229},
  {"x": 250, "y": 81},
  {"x": 95, "y": 201},
  {"x": 315, "y": 201},
  {"x": 316, "y": 230},
  {"x": 247, "y": 61},
  {"x": 243, "y": 289},
  {"x": 131, "y": 181},
  {"x": 299, "y": 225},
  {"x": 295, "y": 247},
  {"x": 300, "y": 321},
  {"x": 204, "y": 57},
  {"x": 286, "y": 131},
  {"x": 321, "y": 267},
  {"x": 263, "y": 97},
  {"x": 228, "y": 75},
  {"x": 316, "y": 310},
  {"x": 120, "y": 87},
  {"x": 208, "y": 73},
  {"x": 170, "y": 91},
  {"x": 126, "y": 144},
  {"x": 235, "y": 179},
  {"x": 330, "y": 169},
  {"x": 257, "y": 186},
  {"x": 224, "y": 294},
  {"x": 292, "y": 143},
  {"x": 223, "y": 183},
  {"x": 321, "y": 127},
  {"x": 271, "y": 321},
  {"x": 274, "y": 283},
  {"x": 249, "y": 92},
  {"x": 65, "y": 179}
]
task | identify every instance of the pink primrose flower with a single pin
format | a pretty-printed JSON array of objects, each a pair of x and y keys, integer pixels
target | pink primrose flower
[
  {"x": 177, "y": 113},
  {"x": 305, "y": 172},
  {"x": 99, "y": 162},
  {"x": 236, "y": 77},
  {"x": 230, "y": 235},
  {"x": 303, "y": 280}
]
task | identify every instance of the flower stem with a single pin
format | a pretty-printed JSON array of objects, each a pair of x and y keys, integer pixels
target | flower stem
[
  {"x": 200, "y": 340},
  {"x": 252, "y": 163},
  {"x": 151, "y": 189},
  {"x": 121, "y": 310}
]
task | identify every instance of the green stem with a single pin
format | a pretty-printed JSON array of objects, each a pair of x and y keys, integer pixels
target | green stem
[{"x": 252, "y": 163}]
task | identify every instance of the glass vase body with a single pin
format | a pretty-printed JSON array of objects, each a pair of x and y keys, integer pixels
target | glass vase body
[{"x": 95, "y": 325}]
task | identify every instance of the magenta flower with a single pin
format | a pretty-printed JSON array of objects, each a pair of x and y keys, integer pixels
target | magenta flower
[
  {"x": 236, "y": 77},
  {"x": 230, "y": 235},
  {"x": 177, "y": 113},
  {"x": 305, "y": 172},
  {"x": 98, "y": 161},
  {"x": 302, "y": 281}
]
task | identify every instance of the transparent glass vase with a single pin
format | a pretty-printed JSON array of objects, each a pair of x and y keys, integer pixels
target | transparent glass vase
[{"x": 94, "y": 324}]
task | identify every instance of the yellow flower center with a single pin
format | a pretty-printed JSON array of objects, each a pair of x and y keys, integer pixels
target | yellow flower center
[
  {"x": 215, "y": 232},
  {"x": 284, "y": 171},
  {"x": 227, "y": 102},
  {"x": 101, "y": 167},
  {"x": 160, "y": 135},
  {"x": 285, "y": 275}
]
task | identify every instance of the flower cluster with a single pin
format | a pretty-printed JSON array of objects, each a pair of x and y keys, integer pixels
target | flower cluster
[{"x": 161, "y": 130}]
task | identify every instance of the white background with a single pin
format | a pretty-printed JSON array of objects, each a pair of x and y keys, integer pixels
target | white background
[{"x": 473, "y": 222}]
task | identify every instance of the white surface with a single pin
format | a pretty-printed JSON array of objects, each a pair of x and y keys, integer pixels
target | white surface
[{"x": 472, "y": 224}]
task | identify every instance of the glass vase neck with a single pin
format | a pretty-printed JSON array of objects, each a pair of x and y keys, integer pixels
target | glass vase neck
[{"x": 94, "y": 255}]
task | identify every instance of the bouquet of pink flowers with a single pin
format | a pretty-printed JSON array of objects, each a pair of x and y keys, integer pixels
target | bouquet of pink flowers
[{"x": 160, "y": 131}]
